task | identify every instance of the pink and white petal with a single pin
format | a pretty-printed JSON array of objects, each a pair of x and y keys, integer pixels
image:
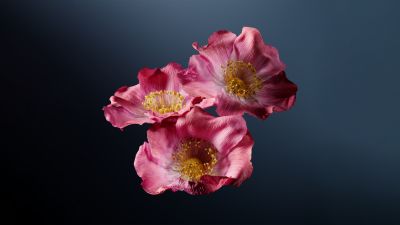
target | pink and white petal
[
  {"x": 203, "y": 102},
  {"x": 229, "y": 105},
  {"x": 126, "y": 108},
  {"x": 133, "y": 94},
  {"x": 218, "y": 51},
  {"x": 121, "y": 117},
  {"x": 199, "y": 79},
  {"x": 237, "y": 163},
  {"x": 278, "y": 93},
  {"x": 249, "y": 46},
  {"x": 155, "y": 178},
  {"x": 223, "y": 132},
  {"x": 188, "y": 103},
  {"x": 172, "y": 69},
  {"x": 163, "y": 140},
  {"x": 158, "y": 79},
  {"x": 207, "y": 185}
]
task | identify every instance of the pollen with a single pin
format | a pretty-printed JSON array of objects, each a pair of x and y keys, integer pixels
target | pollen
[
  {"x": 195, "y": 158},
  {"x": 241, "y": 79},
  {"x": 164, "y": 101}
]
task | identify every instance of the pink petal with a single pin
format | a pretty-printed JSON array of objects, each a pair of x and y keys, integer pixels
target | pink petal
[
  {"x": 198, "y": 80},
  {"x": 160, "y": 79},
  {"x": 163, "y": 140},
  {"x": 250, "y": 47},
  {"x": 205, "y": 74},
  {"x": 223, "y": 132},
  {"x": 237, "y": 163},
  {"x": 217, "y": 52},
  {"x": 126, "y": 108},
  {"x": 207, "y": 185},
  {"x": 155, "y": 178},
  {"x": 278, "y": 93},
  {"x": 229, "y": 105}
]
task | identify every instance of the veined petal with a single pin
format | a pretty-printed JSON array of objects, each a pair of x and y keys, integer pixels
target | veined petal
[
  {"x": 228, "y": 105},
  {"x": 237, "y": 163},
  {"x": 250, "y": 47},
  {"x": 222, "y": 132},
  {"x": 126, "y": 108},
  {"x": 217, "y": 52},
  {"x": 208, "y": 184},
  {"x": 278, "y": 93},
  {"x": 155, "y": 178},
  {"x": 163, "y": 140},
  {"x": 159, "y": 79},
  {"x": 198, "y": 79}
]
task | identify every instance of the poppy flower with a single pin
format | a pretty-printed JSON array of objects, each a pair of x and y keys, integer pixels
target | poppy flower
[
  {"x": 158, "y": 95},
  {"x": 241, "y": 73},
  {"x": 196, "y": 153}
]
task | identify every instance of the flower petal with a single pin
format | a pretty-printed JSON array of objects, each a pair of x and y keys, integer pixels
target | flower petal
[
  {"x": 250, "y": 47},
  {"x": 126, "y": 108},
  {"x": 278, "y": 93},
  {"x": 155, "y": 179},
  {"x": 237, "y": 163},
  {"x": 208, "y": 184},
  {"x": 160, "y": 79},
  {"x": 163, "y": 140},
  {"x": 204, "y": 76},
  {"x": 217, "y": 52},
  {"x": 197, "y": 80},
  {"x": 223, "y": 132},
  {"x": 228, "y": 105}
]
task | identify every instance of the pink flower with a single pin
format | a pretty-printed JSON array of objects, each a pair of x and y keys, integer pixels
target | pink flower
[
  {"x": 196, "y": 153},
  {"x": 241, "y": 73},
  {"x": 157, "y": 96}
]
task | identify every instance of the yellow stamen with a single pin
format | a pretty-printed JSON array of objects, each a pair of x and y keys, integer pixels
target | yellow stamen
[
  {"x": 195, "y": 158},
  {"x": 241, "y": 79},
  {"x": 164, "y": 101}
]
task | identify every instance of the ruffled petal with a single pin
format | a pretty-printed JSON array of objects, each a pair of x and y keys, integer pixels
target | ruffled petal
[
  {"x": 197, "y": 79},
  {"x": 278, "y": 93},
  {"x": 237, "y": 163},
  {"x": 223, "y": 132},
  {"x": 126, "y": 108},
  {"x": 160, "y": 79},
  {"x": 163, "y": 140},
  {"x": 227, "y": 105},
  {"x": 207, "y": 185},
  {"x": 204, "y": 76},
  {"x": 250, "y": 47},
  {"x": 155, "y": 178},
  {"x": 217, "y": 52}
]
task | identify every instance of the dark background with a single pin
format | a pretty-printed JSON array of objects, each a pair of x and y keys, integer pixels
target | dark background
[{"x": 333, "y": 159}]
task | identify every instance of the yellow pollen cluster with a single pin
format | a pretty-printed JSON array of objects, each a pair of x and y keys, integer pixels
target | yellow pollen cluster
[
  {"x": 164, "y": 101},
  {"x": 195, "y": 158},
  {"x": 241, "y": 79}
]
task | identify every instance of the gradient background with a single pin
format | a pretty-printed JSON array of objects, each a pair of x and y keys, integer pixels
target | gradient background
[{"x": 333, "y": 159}]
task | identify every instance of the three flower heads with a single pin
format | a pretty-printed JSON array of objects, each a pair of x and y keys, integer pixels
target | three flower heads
[{"x": 188, "y": 149}]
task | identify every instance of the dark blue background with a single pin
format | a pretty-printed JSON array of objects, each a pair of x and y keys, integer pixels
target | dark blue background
[{"x": 333, "y": 159}]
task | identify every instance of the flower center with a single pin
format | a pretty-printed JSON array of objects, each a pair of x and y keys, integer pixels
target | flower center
[
  {"x": 241, "y": 79},
  {"x": 164, "y": 101},
  {"x": 195, "y": 158}
]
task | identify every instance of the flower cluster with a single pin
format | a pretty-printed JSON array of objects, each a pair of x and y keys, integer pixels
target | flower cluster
[{"x": 188, "y": 149}]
